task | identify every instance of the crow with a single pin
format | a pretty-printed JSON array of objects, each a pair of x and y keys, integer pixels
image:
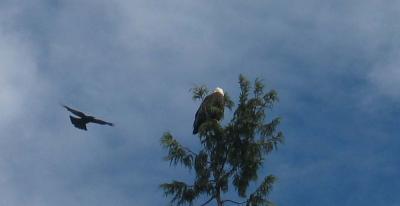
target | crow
[{"x": 84, "y": 119}]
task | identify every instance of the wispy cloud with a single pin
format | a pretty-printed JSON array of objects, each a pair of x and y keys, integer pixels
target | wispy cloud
[{"x": 132, "y": 62}]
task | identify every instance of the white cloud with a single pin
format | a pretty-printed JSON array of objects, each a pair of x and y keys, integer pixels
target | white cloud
[
  {"x": 18, "y": 80},
  {"x": 135, "y": 61},
  {"x": 385, "y": 76}
]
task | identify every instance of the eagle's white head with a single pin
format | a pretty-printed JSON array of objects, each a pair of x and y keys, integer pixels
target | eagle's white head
[{"x": 219, "y": 90}]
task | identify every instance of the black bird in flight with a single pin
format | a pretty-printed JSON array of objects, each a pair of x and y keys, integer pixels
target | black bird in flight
[{"x": 84, "y": 119}]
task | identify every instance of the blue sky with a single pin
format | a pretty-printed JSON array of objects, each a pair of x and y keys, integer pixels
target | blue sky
[{"x": 334, "y": 65}]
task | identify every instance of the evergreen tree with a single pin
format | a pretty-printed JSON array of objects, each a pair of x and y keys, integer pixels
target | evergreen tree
[{"x": 230, "y": 156}]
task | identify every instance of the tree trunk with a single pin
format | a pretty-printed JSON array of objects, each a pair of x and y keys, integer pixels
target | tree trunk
[{"x": 218, "y": 198}]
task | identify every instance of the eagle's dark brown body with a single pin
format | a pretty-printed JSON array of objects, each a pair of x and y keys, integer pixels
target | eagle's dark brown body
[{"x": 212, "y": 107}]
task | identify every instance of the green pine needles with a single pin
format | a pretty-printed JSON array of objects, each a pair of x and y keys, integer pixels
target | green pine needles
[{"x": 232, "y": 155}]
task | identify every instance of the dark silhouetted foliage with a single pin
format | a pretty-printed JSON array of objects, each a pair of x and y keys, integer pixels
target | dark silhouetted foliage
[{"x": 232, "y": 155}]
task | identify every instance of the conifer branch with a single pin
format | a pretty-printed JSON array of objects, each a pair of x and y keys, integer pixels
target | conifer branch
[
  {"x": 232, "y": 153},
  {"x": 258, "y": 197},
  {"x": 208, "y": 201},
  {"x": 235, "y": 202},
  {"x": 176, "y": 152},
  {"x": 199, "y": 92}
]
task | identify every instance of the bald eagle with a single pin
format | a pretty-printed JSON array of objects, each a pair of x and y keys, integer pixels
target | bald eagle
[
  {"x": 84, "y": 119},
  {"x": 212, "y": 107}
]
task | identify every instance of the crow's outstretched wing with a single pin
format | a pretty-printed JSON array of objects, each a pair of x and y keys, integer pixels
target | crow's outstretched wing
[
  {"x": 99, "y": 121},
  {"x": 75, "y": 112}
]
